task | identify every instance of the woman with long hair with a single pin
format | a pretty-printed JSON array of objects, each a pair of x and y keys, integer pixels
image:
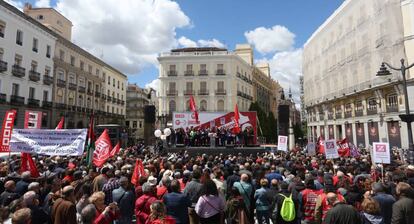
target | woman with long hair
[
  {"x": 371, "y": 213},
  {"x": 210, "y": 206},
  {"x": 159, "y": 215}
]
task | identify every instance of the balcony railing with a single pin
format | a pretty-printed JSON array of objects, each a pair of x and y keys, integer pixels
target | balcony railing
[
  {"x": 90, "y": 92},
  {"x": 34, "y": 76},
  {"x": 321, "y": 116},
  {"x": 47, "y": 104},
  {"x": 172, "y": 92},
  {"x": 61, "y": 83},
  {"x": 60, "y": 105},
  {"x": 220, "y": 92},
  {"x": 72, "y": 108},
  {"x": 220, "y": 72},
  {"x": 392, "y": 108},
  {"x": 348, "y": 114},
  {"x": 18, "y": 71},
  {"x": 109, "y": 98},
  {"x": 359, "y": 113},
  {"x": 72, "y": 86},
  {"x": 172, "y": 73},
  {"x": 97, "y": 94},
  {"x": 81, "y": 89},
  {"x": 16, "y": 100},
  {"x": 103, "y": 96},
  {"x": 330, "y": 116},
  {"x": 188, "y": 92},
  {"x": 79, "y": 108},
  {"x": 338, "y": 115},
  {"x": 203, "y": 73},
  {"x": 3, "y": 98},
  {"x": 189, "y": 73},
  {"x": 118, "y": 101},
  {"x": 3, "y": 66},
  {"x": 47, "y": 80},
  {"x": 113, "y": 100},
  {"x": 33, "y": 102},
  {"x": 372, "y": 111},
  {"x": 203, "y": 92}
]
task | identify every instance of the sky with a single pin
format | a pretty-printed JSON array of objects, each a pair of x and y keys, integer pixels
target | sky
[{"x": 129, "y": 34}]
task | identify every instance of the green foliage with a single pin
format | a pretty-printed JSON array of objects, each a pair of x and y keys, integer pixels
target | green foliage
[{"x": 267, "y": 123}]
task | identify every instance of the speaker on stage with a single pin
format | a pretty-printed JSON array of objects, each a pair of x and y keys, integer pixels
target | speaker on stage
[{"x": 149, "y": 114}]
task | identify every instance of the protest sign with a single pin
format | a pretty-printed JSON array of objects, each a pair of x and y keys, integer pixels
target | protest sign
[
  {"x": 331, "y": 150},
  {"x": 282, "y": 143},
  {"x": 381, "y": 152},
  {"x": 311, "y": 148},
  {"x": 63, "y": 142}
]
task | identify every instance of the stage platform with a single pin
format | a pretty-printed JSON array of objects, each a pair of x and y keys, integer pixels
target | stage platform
[{"x": 194, "y": 151}]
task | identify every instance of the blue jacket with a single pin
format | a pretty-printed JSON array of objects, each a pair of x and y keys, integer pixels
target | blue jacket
[
  {"x": 177, "y": 206},
  {"x": 263, "y": 199},
  {"x": 126, "y": 203},
  {"x": 385, "y": 201}
]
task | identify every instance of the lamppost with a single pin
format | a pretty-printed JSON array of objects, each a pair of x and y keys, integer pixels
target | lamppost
[{"x": 407, "y": 117}]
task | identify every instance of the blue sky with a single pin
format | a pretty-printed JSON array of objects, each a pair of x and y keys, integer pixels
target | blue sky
[{"x": 140, "y": 29}]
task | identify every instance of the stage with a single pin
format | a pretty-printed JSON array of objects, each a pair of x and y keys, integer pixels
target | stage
[{"x": 194, "y": 151}]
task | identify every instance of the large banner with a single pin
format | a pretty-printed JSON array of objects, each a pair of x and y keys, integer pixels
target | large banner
[
  {"x": 394, "y": 137},
  {"x": 64, "y": 142},
  {"x": 373, "y": 135},
  {"x": 331, "y": 134},
  {"x": 6, "y": 130},
  {"x": 209, "y": 120},
  {"x": 348, "y": 133},
  {"x": 360, "y": 135}
]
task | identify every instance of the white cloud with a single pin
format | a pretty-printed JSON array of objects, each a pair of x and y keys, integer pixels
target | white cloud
[
  {"x": 270, "y": 40},
  {"x": 18, "y": 4},
  {"x": 286, "y": 68},
  {"x": 128, "y": 34},
  {"x": 42, "y": 3},
  {"x": 186, "y": 42}
]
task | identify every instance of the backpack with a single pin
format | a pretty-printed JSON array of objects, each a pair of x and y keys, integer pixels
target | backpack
[{"x": 288, "y": 211}]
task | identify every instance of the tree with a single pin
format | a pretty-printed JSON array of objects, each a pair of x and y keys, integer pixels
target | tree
[{"x": 268, "y": 123}]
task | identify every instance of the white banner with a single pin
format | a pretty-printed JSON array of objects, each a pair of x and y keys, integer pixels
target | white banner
[
  {"x": 331, "y": 150},
  {"x": 311, "y": 148},
  {"x": 282, "y": 143},
  {"x": 381, "y": 152},
  {"x": 64, "y": 142}
]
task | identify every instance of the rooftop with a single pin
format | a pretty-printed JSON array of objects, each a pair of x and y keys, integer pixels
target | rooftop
[{"x": 198, "y": 49}]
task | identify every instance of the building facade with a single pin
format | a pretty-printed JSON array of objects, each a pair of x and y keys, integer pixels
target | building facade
[
  {"x": 217, "y": 78},
  {"x": 26, "y": 65},
  {"x": 115, "y": 88},
  {"x": 137, "y": 99},
  {"x": 262, "y": 87},
  {"x": 342, "y": 95}
]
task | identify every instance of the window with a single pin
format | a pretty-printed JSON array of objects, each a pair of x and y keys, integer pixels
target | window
[
  {"x": 118, "y": 84},
  {"x": 109, "y": 80},
  {"x": 81, "y": 82},
  {"x": 203, "y": 86},
  {"x": 19, "y": 37},
  {"x": 220, "y": 85},
  {"x": 15, "y": 89},
  {"x": 203, "y": 105},
  {"x": 18, "y": 60},
  {"x": 171, "y": 85},
  {"x": 45, "y": 95},
  {"x": 358, "y": 105},
  {"x": 122, "y": 86},
  {"x": 140, "y": 124},
  {"x": 348, "y": 108},
  {"x": 31, "y": 93},
  {"x": 72, "y": 60},
  {"x": 220, "y": 105},
  {"x": 372, "y": 104},
  {"x": 172, "y": 67},
  {"x": 61, "y": 75},
  {"x": 82, "y": 65},
  {"x": 80, "y": 101},
  {"x": 172, "y": 106},
  {"x": 203, "y": 67},
  {"x": 113, "y": 82},
  {"x": 34, "y": 66},
  {"x": 2, "y": 28},
  {"x": 35, "y": 45},
  {"x": 72, "y": 79},
  {"x": 90, "y": 69},
  {"x": 392, "y": 100},
  {"x": 189, "y": 86},
  {"x": 48, "y": 49},
  {"x": 39, "y": 17},
  {"x": 189, "y": 67},
  {"x": 104, "y": 76},
  {"x": 134, "y": 124},
  {"x": 97, "y": 72}
]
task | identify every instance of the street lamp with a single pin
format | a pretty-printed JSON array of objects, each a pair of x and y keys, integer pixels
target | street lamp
[{"x": 407, "y": 117}]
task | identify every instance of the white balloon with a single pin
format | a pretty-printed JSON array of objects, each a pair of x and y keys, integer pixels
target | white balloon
[
  {"x": 167, "y": 132},
  {"x": 157, "y": 133}
]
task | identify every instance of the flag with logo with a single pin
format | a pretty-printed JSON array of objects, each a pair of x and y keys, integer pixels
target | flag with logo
[
  {"x": 91, "y": 143},
  {"x": 116, "y": 149},
  {"x": 320, "y": 144},
  {"x": 193, "y": 108},
  {"x": 138, "y": 172},
  {"x": 343, "y": 149},
  {"x": 6, "y": 130},
  {"x": 236, "y": 128},
  {"x": 354, "y": 150},
  {"x": 102, "y": 149},
  {"x": 27, "y": 164}
]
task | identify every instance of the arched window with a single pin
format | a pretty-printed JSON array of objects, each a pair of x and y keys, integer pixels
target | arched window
[
  {"x": 80, "y": 102},
  {"x": 220, "y": 105},
  {"x": 203, "y": 105},
  {"x": 171, "y": 106}
]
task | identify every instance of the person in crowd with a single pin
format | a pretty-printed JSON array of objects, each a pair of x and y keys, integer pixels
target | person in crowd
[
  {"x": 341, "y": 213},
  {"x": 177, "y": 203},
  {"x": 105, "y": 214},
  {"x": 9, "y": 194},
  {"x": 158, "y": 214},
  {"x": 31, "y": 201},
  {"x": 21, "y": 185},
  {"x": 263, "y": 200},
  {"x": 307, "y": 200},
  {"x": 371, "y": 212},
  {"x": 100, "y": 180},
  {"x": 64, "y": 209},
  {"x": 246, "y": 190},
  {"x": 162, "y": 189},
  {"x": 322, "y": 204},
  {"x": 285, "y": 192},
  {"x": 125, "y": 198},
  {"x": 210, "y": 206},
  {"x": 110, "y": 185},
  {"x": 236, "y": 212},
  {"x": 142, "y": 204},
  {"x": 193, "y": 191},
  {"x": 22, "y": 216},
  {"x": 385, "y": 201},
  {"x": 403, "y": 209}
]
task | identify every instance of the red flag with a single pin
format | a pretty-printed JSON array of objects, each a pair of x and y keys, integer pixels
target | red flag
[
  {"x": 28, "y": 165},
  {"x": 344, "y": 149},
  {"x": 193, "y": 108},
  {"x": 102, "y": 149},
  {"x": 61, "y": 122},
  {"x": 138, "y": 172},
  {"x": 321, "y": 145},
  {"x": 236, "y": 128},
  {"x": 6, "y": 130},
  {"x": 116, "y": 149}
]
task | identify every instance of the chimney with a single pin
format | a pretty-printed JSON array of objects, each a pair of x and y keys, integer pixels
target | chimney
[{"x": 27, "y": 7}]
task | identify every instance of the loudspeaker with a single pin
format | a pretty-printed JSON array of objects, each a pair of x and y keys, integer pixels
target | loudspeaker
[
  {"x": 283, "y": 113},
  {"x": 149, "y": 114}
]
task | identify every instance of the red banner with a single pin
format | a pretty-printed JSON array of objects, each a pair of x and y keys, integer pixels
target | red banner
[
  {"x": 102, "y": 149},
  {"x": 61, "y": 123},
  {"x": 343, "y": 149},
  {"x": 6, "y": 130},
  {"x": 138, "y": 172},
  {"x": 116, "y": 149}
]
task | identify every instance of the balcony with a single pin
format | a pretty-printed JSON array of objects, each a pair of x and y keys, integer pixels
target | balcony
[
  {"x": 47, "y": 104},
  {"x": 330, "y": 116},
  {"x": 90, "y": 92},
  {"x": 79, "y": 108},
  {"x": 321, "y": 116},
  {"x": 189, "y": 73},
  {"x": 73, "y": 107},
  {"x": 61, "y": 83},
  {"x": 220, "y": 72},
  {"x": 3, "y": 98},
  {"x": 3, "y": 66},
  {"x": 359, "y": 113},
  {"x": 47, "y": 80},
  {"x": 33, "y": 102},
  {"x": 103, "y": 96},
  {"x": 172, "y": 93},
  {"x": 109, "y": 98},
  {"x": 18, "y": 71},
  {"x": 81, "y": 89},
  {"x": 348, "y": 114},
  {"x": 188, "y": 92},
  {"x": 34, "y": 76},
  {"x": 392, "y": 108},
  {"x": 72, "y": 86},
  {"x": 203, "y": 92},
  {"x": 16, "y": 100},
  {"x": 372, "y": 111},
  {"x": 203, "y": 73},
  {"x": 97, "y": 94},
  {"x": 60, "y": 105},
  {"x": 338, "y": 115},
  {"x": 172, "y": 73},
  {"x": 113, "y": 100},
  {"x": 220, "y": 92},
  {"x": 122, "y": 102}
]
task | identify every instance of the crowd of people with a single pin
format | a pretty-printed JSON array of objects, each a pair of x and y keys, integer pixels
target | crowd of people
[
  {"x": 266, "y": 188},
  {"x": 206, "y": 137}
]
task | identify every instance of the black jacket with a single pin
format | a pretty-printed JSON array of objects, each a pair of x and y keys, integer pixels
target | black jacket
[
  {"x": 403, "y": 211},
  {"x": 342, "y": 213}
]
